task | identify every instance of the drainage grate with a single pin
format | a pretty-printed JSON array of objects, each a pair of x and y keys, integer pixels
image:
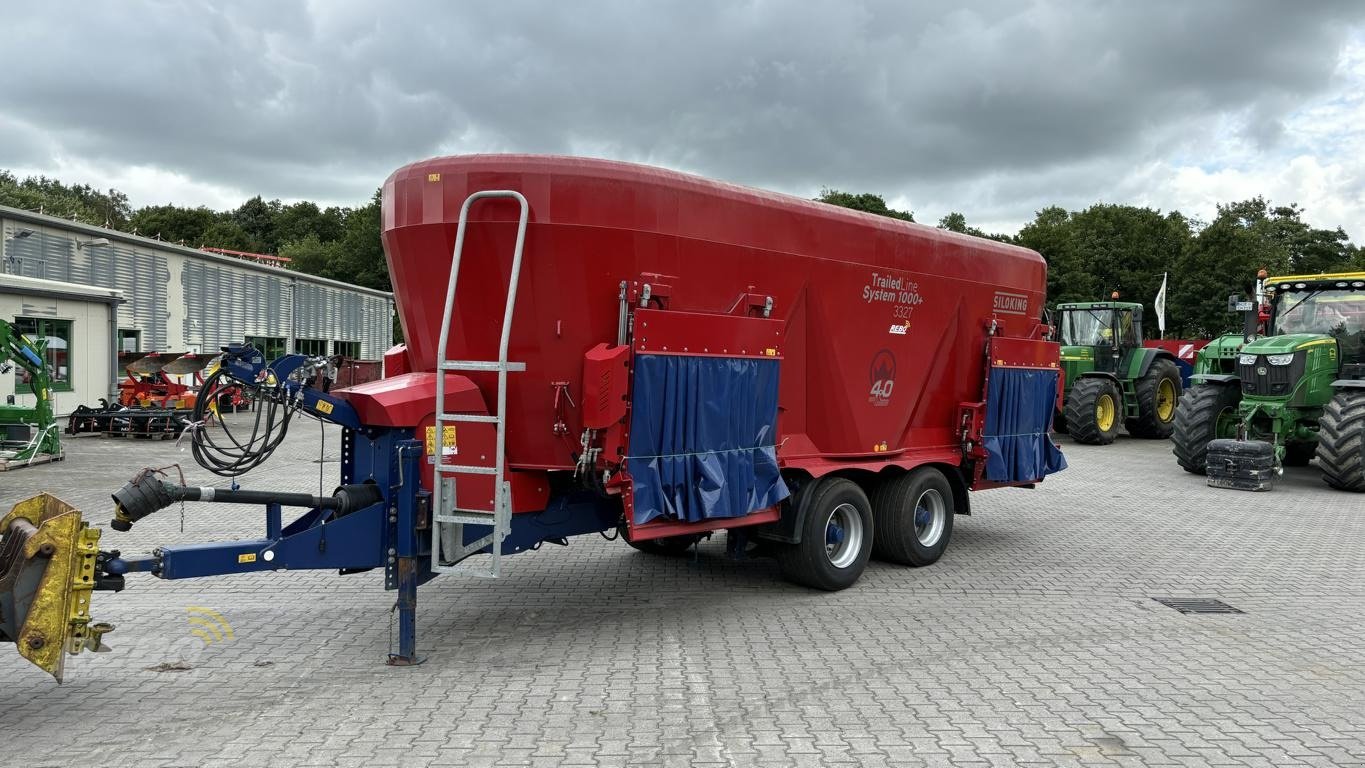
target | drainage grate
[{"x": 1196, "y": 605}]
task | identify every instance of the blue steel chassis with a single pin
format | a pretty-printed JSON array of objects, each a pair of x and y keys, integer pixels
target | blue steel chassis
[{"x": 393, "y": 534}]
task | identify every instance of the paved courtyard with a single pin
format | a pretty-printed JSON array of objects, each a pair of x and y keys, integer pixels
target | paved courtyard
[{"x": 1035, "y": 641}]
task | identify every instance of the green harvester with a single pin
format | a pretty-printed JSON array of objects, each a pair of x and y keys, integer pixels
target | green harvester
[
  {"x": 1294, "y": 378},
  {"x": 1110, "y": 378}
]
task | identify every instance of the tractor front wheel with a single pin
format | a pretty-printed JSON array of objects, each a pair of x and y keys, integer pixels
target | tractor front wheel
[
  {"x": 1093, "y": 411},
  {"x": 1206, "y": 413},
  {"x": 1157, "y": 395},
  {"x": 1341, "y": 441}
]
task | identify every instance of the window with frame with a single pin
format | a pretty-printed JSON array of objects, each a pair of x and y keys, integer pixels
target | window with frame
[
  {"x": 129, "y": 340},
  {"x": 310, "y": 347},
  {"x": 57, "y": 355},
  {"x": 272, "y": 347},
  {"x": 349, "y": 349}
]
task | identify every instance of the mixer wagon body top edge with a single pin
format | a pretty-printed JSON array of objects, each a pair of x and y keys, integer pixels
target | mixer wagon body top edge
[{"x": 880, "y": 326}]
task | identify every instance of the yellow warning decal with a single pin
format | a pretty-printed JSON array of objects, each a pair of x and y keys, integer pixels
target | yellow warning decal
[
  {"x": 448, "y": 444},
  {"x": 249, "y": 557},
  {"x": 323, "y": 406},
  {"x": 433, "y": 177}
]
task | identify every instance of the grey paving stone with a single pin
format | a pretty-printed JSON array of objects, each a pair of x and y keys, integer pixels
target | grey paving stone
[{"x": 1035, "y": 641}]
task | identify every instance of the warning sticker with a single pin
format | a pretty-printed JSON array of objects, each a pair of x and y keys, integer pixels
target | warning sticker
[{"x": 448, "y": 444}]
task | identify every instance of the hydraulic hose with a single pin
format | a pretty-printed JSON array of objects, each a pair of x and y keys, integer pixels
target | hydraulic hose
[{"x": 235, "y": 456}]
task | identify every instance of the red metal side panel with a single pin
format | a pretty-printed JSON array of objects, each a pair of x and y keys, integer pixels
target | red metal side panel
[
  {"x": 706, "y": 335},
  {"x": 884, "y": 321}
]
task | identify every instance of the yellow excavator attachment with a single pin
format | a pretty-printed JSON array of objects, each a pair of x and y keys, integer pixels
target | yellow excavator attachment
[{"x": 47, "y": 575}]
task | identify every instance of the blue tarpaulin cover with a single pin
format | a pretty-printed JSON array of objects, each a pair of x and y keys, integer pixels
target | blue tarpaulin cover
[
  {"x": 702, "y": 433},
  {"x": 1019, "y": 405}
]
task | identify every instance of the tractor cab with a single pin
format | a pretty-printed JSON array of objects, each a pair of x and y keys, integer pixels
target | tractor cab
[
  {"x": 1330, "y": 306},
  {"x": 1100, "y": 332},
  {"x": 1110, "y": 378}
]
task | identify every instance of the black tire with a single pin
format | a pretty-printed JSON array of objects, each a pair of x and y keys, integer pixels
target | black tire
[
  {"x": 815, "y": 561},
  {"x": 1196, "y": 423},
  {"x": 1082, "y": 410},
  {"x": 1341, "y": 441},
  {"x": 913, "y": 516},
  {"x": 1156, "y": 414},
  {"x": 1058, "y": 421},
  {"x": 670, "y": 546},
  {"x": 1299, "y": 454}
]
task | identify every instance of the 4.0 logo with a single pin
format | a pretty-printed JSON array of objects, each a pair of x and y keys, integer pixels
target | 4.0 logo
[{"x": 882, "y": 375}]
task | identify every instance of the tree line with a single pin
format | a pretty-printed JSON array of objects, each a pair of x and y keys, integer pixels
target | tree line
[
  {"x": 1125, "y": 248},
  {"x": 1090, "y": 253}
]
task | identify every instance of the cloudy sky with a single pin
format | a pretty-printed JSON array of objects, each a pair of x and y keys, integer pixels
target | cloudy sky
[{"x": 991, "y": 109}]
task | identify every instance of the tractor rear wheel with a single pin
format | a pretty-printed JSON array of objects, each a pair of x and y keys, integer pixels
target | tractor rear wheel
[
  {"x": 1093, "y": 411},
  {"x": 914, "y": 517},
  {"x": 1157, "y": 395},
  {"x": 1206, "y": 413},
  {"x": 1341, "y": 441},
  {"x": 836, "y": 536}
]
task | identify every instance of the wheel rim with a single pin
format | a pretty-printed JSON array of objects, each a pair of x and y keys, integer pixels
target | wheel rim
[
  {"x": 1165, "y": 400},
  {"x": 1104, "y": 412},
  {"x": 931, "y": 516},
  {"x": 843, "y": 535}
]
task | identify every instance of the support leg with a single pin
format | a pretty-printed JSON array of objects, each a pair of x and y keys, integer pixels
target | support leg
[
  {"x": 405, "y": 547},
  {"x": 406, "y": 606}
]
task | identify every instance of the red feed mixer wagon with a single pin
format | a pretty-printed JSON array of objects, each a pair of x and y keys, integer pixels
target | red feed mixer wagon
[
  {"x": 701, "y": 351},
  {"x": 594, "y": 347}
]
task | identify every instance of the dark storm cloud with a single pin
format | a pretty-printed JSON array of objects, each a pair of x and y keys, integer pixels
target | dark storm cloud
[{"x": 324, "y": 99}]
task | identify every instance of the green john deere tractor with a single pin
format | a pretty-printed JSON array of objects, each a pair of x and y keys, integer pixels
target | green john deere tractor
[
  {"x": 1294, "y": 378},
  {"x": 1110, "y": 377}
]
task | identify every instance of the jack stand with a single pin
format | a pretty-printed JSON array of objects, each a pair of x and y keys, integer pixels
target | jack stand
[{"x": 406, "y": 606}]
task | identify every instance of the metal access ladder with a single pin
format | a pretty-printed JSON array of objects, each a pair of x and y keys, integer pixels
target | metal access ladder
[{"x": 449, "y": 519}]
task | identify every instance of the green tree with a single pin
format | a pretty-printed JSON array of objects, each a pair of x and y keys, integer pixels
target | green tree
[
  {"x": 866, "y": 202},
  {"x": 297, "y": 221},
  {"x": 80, "y": 202},
  {"x": 1222, "y": 260},
  {"x": 256, "y": 218},
  {"x": 1069, "y": 274},
  {"x": 226, "y": 233},
  {"x": 173, "y": 223},
  {"x": 361, "y": 251},
  {"x": 956, "y": 222},
  {"x": 311, "y": 255},
  {"x": 1108, "y": 248}
]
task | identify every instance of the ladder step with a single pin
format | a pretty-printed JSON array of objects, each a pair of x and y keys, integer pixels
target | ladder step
[
  {"x": 467, "y": 518},
  {"x": 477, "y": 418},
  {"x": 480, "y": 365},
  {"x": 466, "y": 469}
]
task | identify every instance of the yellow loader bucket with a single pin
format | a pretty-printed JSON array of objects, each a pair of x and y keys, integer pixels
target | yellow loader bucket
[{"x": 47, "y": 574}]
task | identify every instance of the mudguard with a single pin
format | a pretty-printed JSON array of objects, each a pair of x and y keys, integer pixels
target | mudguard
[{"x": 1151, "y": 355}]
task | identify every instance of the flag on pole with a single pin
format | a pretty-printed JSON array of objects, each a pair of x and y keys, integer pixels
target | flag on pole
[{"x": 1160, "y": 304}]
